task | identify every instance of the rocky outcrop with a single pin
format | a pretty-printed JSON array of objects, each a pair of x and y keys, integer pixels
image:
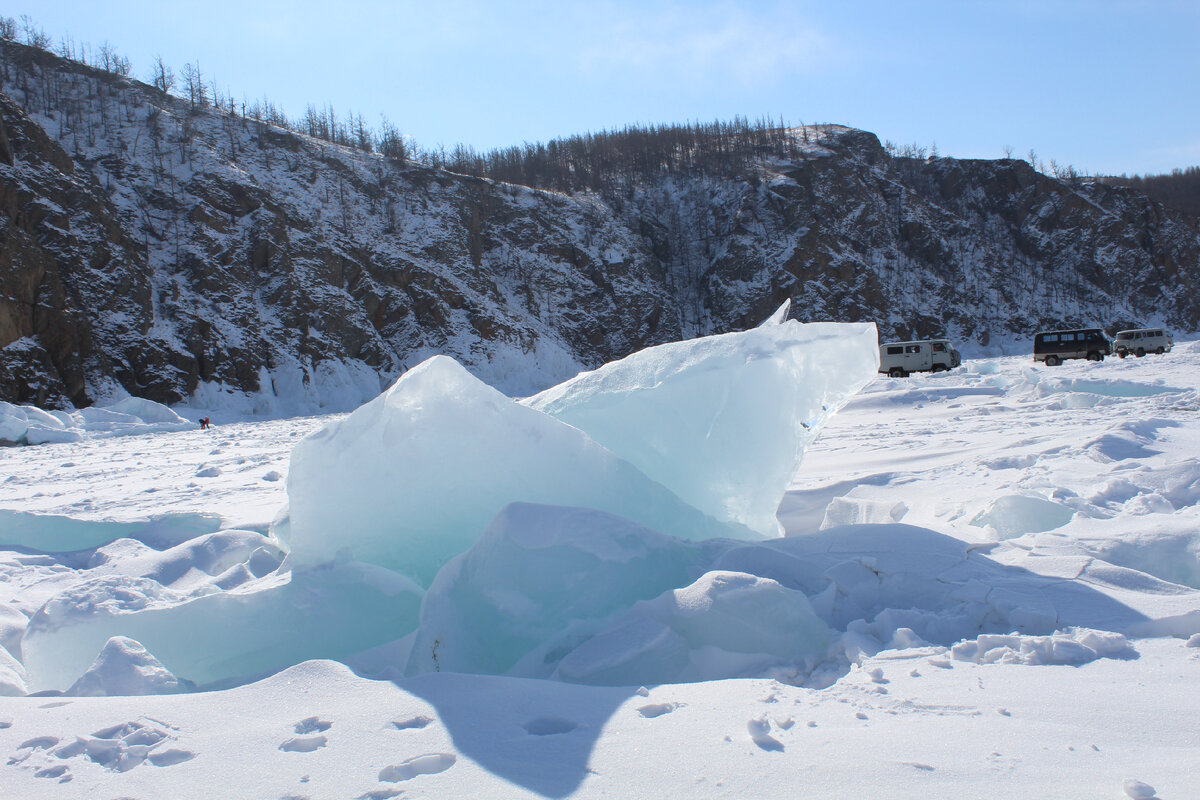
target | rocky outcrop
[{"x": 162, "y": 249}]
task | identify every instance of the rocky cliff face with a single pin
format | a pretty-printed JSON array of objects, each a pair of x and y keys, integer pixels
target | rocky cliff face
[{"x": 178, "y": 253}]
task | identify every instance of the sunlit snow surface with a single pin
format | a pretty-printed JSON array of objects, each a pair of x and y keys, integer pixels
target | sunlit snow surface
[{"x": 1003, "y": 560}]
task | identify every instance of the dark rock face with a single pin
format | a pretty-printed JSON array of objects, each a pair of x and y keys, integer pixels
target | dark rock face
[
  {"x": 160, "y": 249},
  {"x": 62, "y": 256}
]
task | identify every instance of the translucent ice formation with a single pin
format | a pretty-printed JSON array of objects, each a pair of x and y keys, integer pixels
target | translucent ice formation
[
  {"x": 220, "y": 637},
  {"x": 722, "y": 421},
  {"x": 538, "y": 575},
  {"x": 724, "y": 625},
  {"x": 695, "y": 439},
  {"x": 413, "y": 478},
  {"x": 1015, "y": 515}
]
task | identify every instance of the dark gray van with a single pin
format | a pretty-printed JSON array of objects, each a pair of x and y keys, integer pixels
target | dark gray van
[{"x": 1054, "y": 347}]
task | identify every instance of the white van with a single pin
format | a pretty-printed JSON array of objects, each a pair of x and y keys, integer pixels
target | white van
[
  {"x": 1139, "y": 341},
  {"x": 898, "y": 359}
]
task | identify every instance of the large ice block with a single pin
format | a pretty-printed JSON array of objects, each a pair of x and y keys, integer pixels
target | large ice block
[
  {"x": 413, "y": 478},
  {"x": 722, "y": 421}
]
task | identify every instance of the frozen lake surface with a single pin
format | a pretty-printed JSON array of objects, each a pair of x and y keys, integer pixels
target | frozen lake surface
[{"x": 1006, "y": 559}]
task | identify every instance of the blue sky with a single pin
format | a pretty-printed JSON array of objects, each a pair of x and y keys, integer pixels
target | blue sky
[{"x": 1104, "y": 85}]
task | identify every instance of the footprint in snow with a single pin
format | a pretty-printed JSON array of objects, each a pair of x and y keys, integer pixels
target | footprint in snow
[
  {"x": 760, "y": 733},
  {"x": 657, "y": 709},
  {"x": 429, "y": 764},
  {"x": 303, "y": 744},
  {"x": 119, "y": 748},
  {"x": 413, "y": 723},
  {"x": 28, "y": 746},
  {"x": 208, "y": 472},
  {"x": 312, "y": 725},
  {"x": 380, "y": 794},
  {"x": 61, "y": 771},
  {"x": 40, "y": 743},
  {"x": 549, "y": 726}
]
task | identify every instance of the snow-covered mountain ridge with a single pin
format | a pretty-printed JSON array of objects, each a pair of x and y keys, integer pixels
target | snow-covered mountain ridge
[{"x": 173, "y": 253}]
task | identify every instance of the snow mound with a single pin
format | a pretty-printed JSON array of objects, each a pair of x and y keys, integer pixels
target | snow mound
[
  {"x": 124, "y": 667},
  {"x": 1137, "y": 790},
  {"x": 1071, "y": 648},
  {"x": 28, "y": 425},
  {"x": 1104, "y": 388}
]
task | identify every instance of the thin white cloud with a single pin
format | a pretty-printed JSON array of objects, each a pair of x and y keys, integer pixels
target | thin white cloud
[
  {"x": 1178, "y": 155},
  {"x": 693, "y": 44}
]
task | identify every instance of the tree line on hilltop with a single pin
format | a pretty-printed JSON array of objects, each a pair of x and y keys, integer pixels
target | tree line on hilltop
[
  {"x": 1179, "y": 190},
  {"x": 601, "y": 161}
]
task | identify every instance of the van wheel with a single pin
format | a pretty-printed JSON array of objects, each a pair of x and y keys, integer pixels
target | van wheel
[
  {"x": 897, "y": 372},
  {"x": 1053, "y": 361},
  {"x": 1160, "y": 351},
  {"x": 1121, "y": 353},
  {"x": 1140, "y": 352},
  {"x": 1094, "y": 356}
]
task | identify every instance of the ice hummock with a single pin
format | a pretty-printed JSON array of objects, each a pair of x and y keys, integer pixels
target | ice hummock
[
  {"x": 694, "y": 439},
  {"x": 28, "y": 425},
  {"x": 574, "y": 535}
]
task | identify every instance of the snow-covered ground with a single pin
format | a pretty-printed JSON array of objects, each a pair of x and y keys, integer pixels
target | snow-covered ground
[{"x": 942, "y": 513}]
